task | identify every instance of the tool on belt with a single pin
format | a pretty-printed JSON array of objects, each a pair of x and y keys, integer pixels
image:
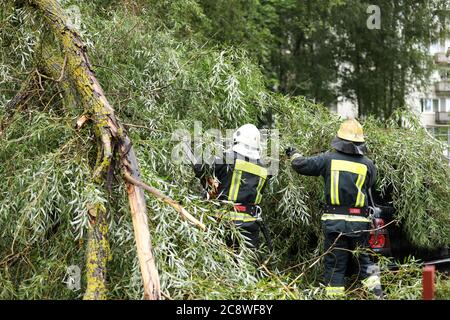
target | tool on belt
[
  {"x": 375, "y": 212},
  {"x": 266, "y": 234}
]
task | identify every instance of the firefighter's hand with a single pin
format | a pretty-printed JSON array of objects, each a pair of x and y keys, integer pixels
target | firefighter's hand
[
  {"x": 205, "y": 195},
  {"x": 290, "y": 151}
]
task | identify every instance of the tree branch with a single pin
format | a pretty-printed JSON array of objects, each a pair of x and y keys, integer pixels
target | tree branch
[
  {"x": 25, "y": 92},
  {"x": 184, "y": 214}
]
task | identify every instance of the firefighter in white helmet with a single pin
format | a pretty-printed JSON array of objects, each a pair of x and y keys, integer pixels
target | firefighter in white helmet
[{"x": 241, "y": 178}]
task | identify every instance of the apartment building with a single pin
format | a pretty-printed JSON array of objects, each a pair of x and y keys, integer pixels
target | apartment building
[{"x": 433, "y": 105}]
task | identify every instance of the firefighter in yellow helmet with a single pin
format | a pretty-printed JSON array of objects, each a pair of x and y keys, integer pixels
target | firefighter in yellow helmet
[{"x": 348, "y": 176}]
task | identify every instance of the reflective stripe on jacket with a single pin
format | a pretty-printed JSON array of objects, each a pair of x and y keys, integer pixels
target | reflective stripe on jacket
[
  {"x": 347, "y": 177},
  {"x": 241, "y": 181}
]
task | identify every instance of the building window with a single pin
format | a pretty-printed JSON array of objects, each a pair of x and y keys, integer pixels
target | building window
[
  {"x": 445, "y": 105},
  {"x": 442, "y": 105},
  {"x": 429, "y": 105}
]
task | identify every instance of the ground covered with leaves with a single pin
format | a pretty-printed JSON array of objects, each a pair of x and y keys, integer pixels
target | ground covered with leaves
[{"x": 161, "y": 77}]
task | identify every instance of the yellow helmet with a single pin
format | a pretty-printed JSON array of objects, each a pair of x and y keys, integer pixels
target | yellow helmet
[{"x": 351, "y": 130}]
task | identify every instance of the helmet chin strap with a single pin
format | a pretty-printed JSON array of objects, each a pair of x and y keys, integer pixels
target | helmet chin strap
[{"x": 348, "y": 146}]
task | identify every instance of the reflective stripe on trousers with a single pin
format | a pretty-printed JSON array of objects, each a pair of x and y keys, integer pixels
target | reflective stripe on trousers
[
  {"x": 332, "y": 216},
  {"x": 236, "y": 216},
  {"x": 372, "y": 282},
  {"x": 335, "y": 291}
]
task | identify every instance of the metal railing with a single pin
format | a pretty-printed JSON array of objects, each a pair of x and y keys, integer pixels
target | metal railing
[
  {"x": 442, "y": 86},
  {"x": 441, "y": 58}
]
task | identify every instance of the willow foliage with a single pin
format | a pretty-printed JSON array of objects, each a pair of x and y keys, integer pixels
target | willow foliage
[{"x": 159, "y": 79}]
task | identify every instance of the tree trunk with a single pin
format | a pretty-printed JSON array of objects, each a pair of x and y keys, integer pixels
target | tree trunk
[
  {"x": 108, "y": 130},
  {"x": 98, "y": 254}
]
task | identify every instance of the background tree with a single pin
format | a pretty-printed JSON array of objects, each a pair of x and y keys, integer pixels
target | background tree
[
  {"x": 162, "y": 76},
  {"x": 324, "y": 49},
  {"x": 379, "y": 67}
]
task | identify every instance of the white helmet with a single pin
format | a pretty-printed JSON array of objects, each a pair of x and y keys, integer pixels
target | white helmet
[{"x": 247, "y": 141}]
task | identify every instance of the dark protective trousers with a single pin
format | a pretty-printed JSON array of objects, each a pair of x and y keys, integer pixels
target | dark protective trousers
[
  {"x": 250, "y": 231},
  {"x": 337, "y": 259}
]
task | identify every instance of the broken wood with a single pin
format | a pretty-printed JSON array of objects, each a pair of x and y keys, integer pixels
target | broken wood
[
  {"x": 184, "y": 214},
  {"x": 81, "y": 121}
]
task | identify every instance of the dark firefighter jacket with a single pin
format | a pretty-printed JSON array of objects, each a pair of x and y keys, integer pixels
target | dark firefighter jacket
[
  {"x": 348, "y": 178},
  {"x": 240, "y": 180}
]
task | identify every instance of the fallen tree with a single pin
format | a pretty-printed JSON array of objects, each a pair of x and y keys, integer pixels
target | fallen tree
[
  {"x": 78, "y": 77},
  {"x": 111, "y": 134}
]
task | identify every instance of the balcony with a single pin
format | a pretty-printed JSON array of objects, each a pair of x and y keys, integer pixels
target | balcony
[
  {"x": 442, "y": 87},
  {"x": 442, "y": 58},
  {"x": 442, "y": 117}
]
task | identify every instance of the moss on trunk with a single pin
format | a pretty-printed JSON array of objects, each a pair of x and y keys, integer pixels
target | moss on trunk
[{"x": 98, "y": 254}]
